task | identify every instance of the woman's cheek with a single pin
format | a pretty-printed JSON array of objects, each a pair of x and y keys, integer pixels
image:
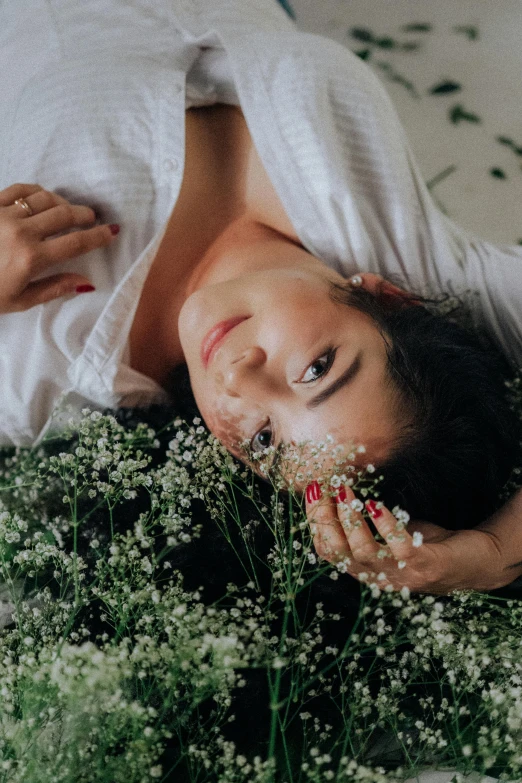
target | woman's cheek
[{"x": 223, "y": 425}]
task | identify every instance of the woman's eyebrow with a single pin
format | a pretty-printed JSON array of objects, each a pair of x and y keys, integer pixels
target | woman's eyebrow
[{"x": 347, "y": 376}]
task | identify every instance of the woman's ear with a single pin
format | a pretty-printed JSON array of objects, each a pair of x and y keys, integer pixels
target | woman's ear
[{"x": 387, "y": 292}]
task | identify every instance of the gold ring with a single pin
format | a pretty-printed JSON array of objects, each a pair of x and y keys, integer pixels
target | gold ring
[{"x": 23, "y": 203}]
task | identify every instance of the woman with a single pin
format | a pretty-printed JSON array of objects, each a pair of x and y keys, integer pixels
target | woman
[{"x": 296, "y": 177}]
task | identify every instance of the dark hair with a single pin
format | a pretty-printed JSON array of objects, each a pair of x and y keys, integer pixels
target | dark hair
[{"x": 460, "y": 439}]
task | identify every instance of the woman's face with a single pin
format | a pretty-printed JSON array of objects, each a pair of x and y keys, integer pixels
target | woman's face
[{"x": 298, "y": 367}]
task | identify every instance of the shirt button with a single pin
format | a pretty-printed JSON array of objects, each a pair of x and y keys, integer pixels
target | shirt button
[{"x": 170, "y": 164}]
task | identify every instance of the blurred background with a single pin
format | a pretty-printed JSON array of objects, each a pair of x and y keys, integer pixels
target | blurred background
[{"x": 454, "y": 73}]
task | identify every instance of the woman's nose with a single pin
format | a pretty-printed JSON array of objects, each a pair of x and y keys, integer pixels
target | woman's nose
[{"x": 239, "y": 374}]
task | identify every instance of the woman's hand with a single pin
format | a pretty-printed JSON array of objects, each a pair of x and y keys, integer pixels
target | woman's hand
[
  {"x": 26, "y": 248},
  {"x": 424, "y": 558}
]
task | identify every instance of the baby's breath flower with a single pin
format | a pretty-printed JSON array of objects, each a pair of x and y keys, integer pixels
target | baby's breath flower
[
  {"x": 119, "y": 692},
  {"x": 417, "y": 539}
]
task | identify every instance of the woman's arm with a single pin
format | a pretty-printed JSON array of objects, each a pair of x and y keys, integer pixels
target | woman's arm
[
  {"x": 504, "y": 529},
  {"x": 439, "y": 561}
]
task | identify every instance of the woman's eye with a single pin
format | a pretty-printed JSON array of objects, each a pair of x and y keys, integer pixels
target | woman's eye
[
  {"x": 262, "y": 439},
  {"x": 319, "y": 367}
]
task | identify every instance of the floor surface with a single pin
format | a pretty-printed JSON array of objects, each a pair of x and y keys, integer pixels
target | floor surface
[{"x": 473, "y": 45}]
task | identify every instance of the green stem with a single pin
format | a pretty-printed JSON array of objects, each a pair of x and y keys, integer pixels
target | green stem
[{"x": 439, "y": 177}]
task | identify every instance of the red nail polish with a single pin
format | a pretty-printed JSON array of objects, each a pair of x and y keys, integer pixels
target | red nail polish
[
  {"x": 341, "y": 496},
  {"x": 313, "y": 492},
  {"x": 371, "y": 505},
  {"x": 83, "y": 289},
  {"x": 115, "y": 229}
]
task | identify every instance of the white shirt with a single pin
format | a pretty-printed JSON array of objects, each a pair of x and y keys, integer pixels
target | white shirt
[{"x": 96, "y": 113}]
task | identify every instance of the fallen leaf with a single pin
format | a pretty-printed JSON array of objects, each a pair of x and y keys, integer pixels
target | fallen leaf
[
  {"x": 469, "y": 30},
  {"x": 418, "y": 27},
  {"x": 362, "y": 34},
  {"x": 457, "y": 113},
  {"x": 445, "y": 87}
]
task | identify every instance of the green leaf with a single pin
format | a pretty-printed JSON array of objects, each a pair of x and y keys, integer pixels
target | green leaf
[
  {"x": 397, "y": 77},
  {"x": 386, "y": 43},
  {"x": 417, "y": 27},
  {"x": 520, "y": 241},
  {"x": 364, "y": 54},
  {"x": 362, "y": 34},
  {"x": 445, "y": 87},
  {"x": 457, "y": 113},
  {"x": 510, "y": 143},
  {"x": 410, "y": 46},
  {"x": 439, "y": 177},
  {"x": 498, "y": 173},
  {"x": 469, "y": 30}
]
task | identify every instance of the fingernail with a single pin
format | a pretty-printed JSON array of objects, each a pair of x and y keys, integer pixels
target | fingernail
[
  {"x": 341, "y": 496},
  {"x": 84, "y": 289},
  {"x": 313, "y": 492},
  {"x": 371, "y": 505},
  {"x": 115, "y": 229}
]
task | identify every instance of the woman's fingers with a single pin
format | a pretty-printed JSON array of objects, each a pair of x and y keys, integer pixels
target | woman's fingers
[
  {"x": 78, "y": 243},
  {"x": 60, "y": 218},
  {"x": 9, "y": 195},
  {"x": 38, "y": 200},
  {"x": 329, "y": 539},
  {"x": 363, "y": 545},
  {"x": 54, "y": 215},
  {"x": 33, "y": 240},
  {"x": 341, "y": 533},
  {"x": 399, "y": 541}
]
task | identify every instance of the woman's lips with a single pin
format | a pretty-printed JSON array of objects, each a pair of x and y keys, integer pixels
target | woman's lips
[{"x": 214, "y": 337}]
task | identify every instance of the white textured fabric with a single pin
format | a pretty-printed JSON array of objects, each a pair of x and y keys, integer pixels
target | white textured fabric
[{"x": 96, "y": 113}]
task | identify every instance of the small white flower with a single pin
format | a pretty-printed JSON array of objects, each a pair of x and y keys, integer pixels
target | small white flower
[
  {"x": 401, "y": 564},
  {"x": 417, "y": 539}
]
